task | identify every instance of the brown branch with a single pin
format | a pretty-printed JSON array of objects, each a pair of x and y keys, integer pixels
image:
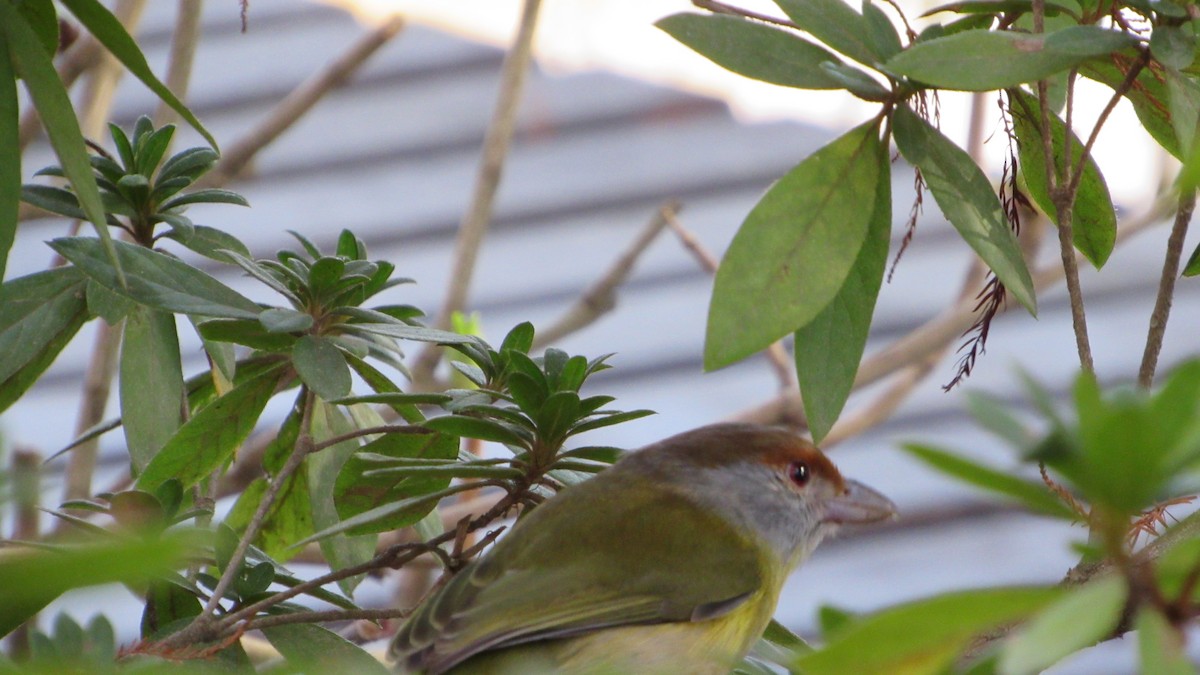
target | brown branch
[
  {"x": 601, "y": 297},
  {"x": 395, "y": 557},
  {"x": 776, "y": 355},
  {"x": 479, "y": 214},
  {"x": 303, "y": 447},
  {"x": 296, "y": 104},
  {"x": 326, "y": 615},
  {"x": 1166, "y": 288},
  {"x": 1118, "y": 92}
]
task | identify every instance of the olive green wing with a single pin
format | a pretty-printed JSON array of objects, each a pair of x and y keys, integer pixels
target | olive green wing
[{"x": 583, "y": 562}]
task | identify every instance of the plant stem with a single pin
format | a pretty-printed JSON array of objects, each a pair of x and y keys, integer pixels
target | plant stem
[
  {"x": 396, "y": 556},
  {"x": 304, "y": 445},
  {"x": 327, "y": 615},
  {"x": 1064, "y": 205},
  {"x": 601, "y": 297},
  {"x": 495, "y": 150},
  {"x": 1166, "y": 288}
]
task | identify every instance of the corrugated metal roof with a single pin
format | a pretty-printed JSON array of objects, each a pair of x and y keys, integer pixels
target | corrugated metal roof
[{"x": 392, "y": 156}]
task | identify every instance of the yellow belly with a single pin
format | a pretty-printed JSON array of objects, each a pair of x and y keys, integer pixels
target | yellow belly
[{"x": 702, "y": 647}]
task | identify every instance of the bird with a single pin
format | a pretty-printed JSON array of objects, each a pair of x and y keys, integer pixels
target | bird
[{"x": 669, "y": 561}]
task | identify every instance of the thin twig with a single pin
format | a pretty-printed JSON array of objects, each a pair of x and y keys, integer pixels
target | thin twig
[
  {"x": 1118, "y": 93},
  {"x": 1166, "y": 288},
  {"x": 327, "y": 615},
  {"x": 475, "y": 221},
  {"x": 304, "y": 445},
  {"x": 601, "y": 297},
  {"x": 776, "y": 355},
  {"x": 394, "y": 557},
  {"x": 1064, "y": 203},
  {"x": 235, "y": 158},
  {"x": 721, "y": 8}
]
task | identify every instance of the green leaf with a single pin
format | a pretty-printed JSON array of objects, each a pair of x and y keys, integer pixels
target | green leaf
[
  {"x": 312, "y": 649},
  {"x": 321, "y": 366},
  {"x": 283, "y": 320},
  {"x": 1053, "y": 7},
  {"x": 340, "y": 549},
  {"x": 475, "y": 427},
  {"x": 39, "y": 314},
  {"x": 190, "y": 164},
  {"x": 1032, "y": 495},
  {"x": 166, "y": 603},
  {"x": 609, "y": 419},
  {"x": 1160, "y": 645},
  {"x": 922, "y": 637},
  {"x": 10, "y": 154},
  {"x": 29, "y": 580},
  {"x": 1148, "y": 96},
  {"x": 1078, "y": 619},
  {"x": 993, "y": 414},
  {"x": 288, "y": 521},
  {"x": 108, "y": 31},
  {"x": 966, "y": 198},
  {"x": 399, "y": 330},
  {"x": 52, "y": 199},
  {"x": 1173, "y": 46},
  {"x": 1094, "y": 220},
  {"x": 151, "y": 148},
  {"x": 834, "y": 23},
  {"x": 157, "y": 280},
  {"x": 209, "y": 438},
  {"x": 210, "y": 242},
  {"x": 395, "y": 398},
  {"x": 1183, "y": 93},
  {"x": 250, "y": 333},
  {"x": 34, "y": 66},
  {"x": 447, "y": 472},
  {"x": 412, "y": 509},
  {"x": 778, "y": 646},
  {"x": 981, "y": 60},
  {"x": 885, "y": 41},
  {"x": 829, "y": 348},
  {"x": 206, "y": 196},
  {"x": 520, "y": 338},
  {"x": 106, "y": 304},
  {"x": 356, "y": 491},
  {"x": 43, "y": 18},
  {"x": 794, "y": 250},
  {"x": 753, "y": 49},
  {"x": 151, "y": 383}
]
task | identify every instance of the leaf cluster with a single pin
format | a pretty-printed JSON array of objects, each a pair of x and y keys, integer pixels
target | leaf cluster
[{"x": 138, "y": 194}]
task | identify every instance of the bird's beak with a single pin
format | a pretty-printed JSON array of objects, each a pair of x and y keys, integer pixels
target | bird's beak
[{"x": 858, "y": 504}]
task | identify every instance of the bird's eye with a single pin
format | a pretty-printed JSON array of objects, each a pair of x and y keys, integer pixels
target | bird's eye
[{"x": 799, "y": 473}]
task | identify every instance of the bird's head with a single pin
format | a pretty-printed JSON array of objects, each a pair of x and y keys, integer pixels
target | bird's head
[{"x": 768, "y": 482}]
